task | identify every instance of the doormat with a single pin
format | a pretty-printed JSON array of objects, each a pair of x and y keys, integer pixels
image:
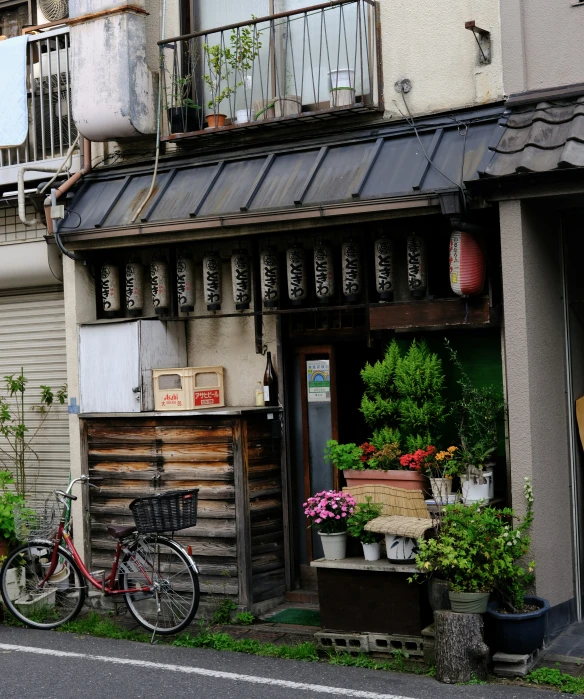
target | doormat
[{"x": 303, "y": 617}]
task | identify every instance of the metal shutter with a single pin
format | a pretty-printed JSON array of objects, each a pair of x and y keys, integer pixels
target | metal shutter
[{"x": 32, "y": 336}]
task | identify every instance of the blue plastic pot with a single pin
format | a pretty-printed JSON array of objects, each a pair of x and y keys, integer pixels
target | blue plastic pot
[{"x": 518, "y": 634}]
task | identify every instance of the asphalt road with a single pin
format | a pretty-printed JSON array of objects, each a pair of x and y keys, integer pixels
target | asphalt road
[{"x": 51, "y": 665}]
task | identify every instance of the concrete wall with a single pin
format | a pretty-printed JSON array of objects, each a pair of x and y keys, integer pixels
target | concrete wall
[
  {"x": 542, "y": 43},
  {"x": 536, "y": 383},
  {"x": 428, "y": 44}
]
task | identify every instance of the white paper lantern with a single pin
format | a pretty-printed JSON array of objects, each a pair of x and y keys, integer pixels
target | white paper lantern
[
  {"x": 110, "y": 289},
  {"x": 212, "y": 281},
  {"x": 417, "y": 270},
  {"x": 351, "y": 269},
  {"x": 384, "y": 268},
  {"x": 185, "y": 283},
  {"x": 241, "y": 279},
  {"x": 159, "y": 285},
  {"x": 270, "y": 277},
  {"x": 324, "y": 275},
  {"x": 135, "y": 287},
  {"x": 296, "y": 274}
]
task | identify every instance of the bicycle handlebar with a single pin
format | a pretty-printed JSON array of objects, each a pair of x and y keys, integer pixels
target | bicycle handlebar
[{"x": 82, "y": 479}]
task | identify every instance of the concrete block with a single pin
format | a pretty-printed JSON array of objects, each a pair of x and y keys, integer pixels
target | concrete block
[
  {"x": 388, "y": 643},
  {"x": 349, "y": 642},
  {"x": 511, "y": 665}
]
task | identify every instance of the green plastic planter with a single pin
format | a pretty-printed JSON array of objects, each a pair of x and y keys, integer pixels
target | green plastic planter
[{"x": 469, "y": 602}]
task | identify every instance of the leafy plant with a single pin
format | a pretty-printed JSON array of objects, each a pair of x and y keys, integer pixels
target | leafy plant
[
  {"x": 343, "y": 456},
  {"x": 224, "y": 611},
  {"x": 329, "y": 510},
  {"x": 554, "y": 677},
  {"x": 244, "y": 618},
  {"x": 380, "y": 402},
  {"x": 18, "y": 451},
  {"x": 364, "y": 513},
  {"x": 8, "y": 499}
]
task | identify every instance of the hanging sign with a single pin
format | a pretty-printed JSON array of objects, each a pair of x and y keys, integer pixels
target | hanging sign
[
  {"x": 110, "y": 289},
  {"x": 270, "y": 278},
  {"x": 212, "y": 281},
  {"x": 351, "y": 268},
  {"x": 417, "y": 271},
  {"x": 159, "y": 284},
  {"x": 185, "y": 283},
  {"x": 384, "y": 268},
  {"x": 241, "y": 279},
  {"x": 318, "y": 381},
  {"x": 323, "y": 272},
  {"x": 467, "y": 264},
  {"x": 134, "y": 287},
  {"x": 296, "y": 274}
]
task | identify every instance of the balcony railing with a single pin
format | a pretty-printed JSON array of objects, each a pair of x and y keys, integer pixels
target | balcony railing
[
  {"x": 51, "y": 130},
  {"x": 310, "y": 63}
]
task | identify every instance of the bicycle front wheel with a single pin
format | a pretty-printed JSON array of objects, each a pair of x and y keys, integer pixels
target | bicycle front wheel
[
  {"x": 38, "y": 603},
  {"x": 171, "y": 599}
]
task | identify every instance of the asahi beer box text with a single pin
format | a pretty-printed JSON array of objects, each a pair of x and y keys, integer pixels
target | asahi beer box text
[{"x": 188, "y": 388}]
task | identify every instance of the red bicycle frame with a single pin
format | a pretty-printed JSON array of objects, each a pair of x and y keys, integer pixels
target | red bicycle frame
[{"x": 108, "y": 589}]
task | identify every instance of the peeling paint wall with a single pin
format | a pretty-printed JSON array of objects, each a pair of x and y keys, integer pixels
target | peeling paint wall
[{"x": 428, "y": 44}]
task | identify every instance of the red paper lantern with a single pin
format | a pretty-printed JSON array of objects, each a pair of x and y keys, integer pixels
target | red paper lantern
[{"x": 467, "y": 264}]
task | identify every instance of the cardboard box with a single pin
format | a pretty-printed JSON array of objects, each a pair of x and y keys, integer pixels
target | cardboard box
[{"x": 189, "y": 388}]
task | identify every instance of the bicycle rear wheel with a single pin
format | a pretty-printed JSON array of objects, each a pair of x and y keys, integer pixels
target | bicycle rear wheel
[
  {"x": 160, "y": 564},
  {"x": 37, "y": 604}
]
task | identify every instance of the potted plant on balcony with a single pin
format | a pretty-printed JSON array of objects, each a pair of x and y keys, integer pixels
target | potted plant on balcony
[
  {"x": 218, "y": 60},
  {"x": 328, "y": 512},
  {"x": 440, "y": 467},
  {"x": 183, "y": 116},
  {"x": 245, "y": 48},
  {"x": 517, "y": 621},
  {"x": 364, "y": 513}
]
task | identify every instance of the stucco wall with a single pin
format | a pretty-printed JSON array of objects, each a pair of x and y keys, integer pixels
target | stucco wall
[
  {"x": 428, "y": 44},
  {"x": 542, "y": 43},
  {"x": 535, "y": 382},
  {"x": 229, "y": 342}
]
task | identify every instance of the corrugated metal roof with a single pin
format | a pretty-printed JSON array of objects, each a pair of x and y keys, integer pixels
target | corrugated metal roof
[
  {"x": 543, "y": 137},
  {"x": 388, "y": 161}
]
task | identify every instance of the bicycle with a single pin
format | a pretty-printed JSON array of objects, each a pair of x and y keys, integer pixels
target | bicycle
[{"x": 43, "y": 583}]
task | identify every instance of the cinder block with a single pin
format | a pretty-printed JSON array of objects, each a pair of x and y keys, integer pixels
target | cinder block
[
  {"x": 511, "y": 665},
  {"x": 349, "y": 642},
  {"x": 388, "y": 643}
]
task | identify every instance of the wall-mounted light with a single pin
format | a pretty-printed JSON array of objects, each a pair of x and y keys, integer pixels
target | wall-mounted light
[
  {"x": 383, "y": 248},
  {"x": 467, "y": 264},
  {"x": 351, "y": 270},
  {"x": 417, "y": 270},
  {"x": 241, "y": 279},
  {"x": 324, "y": 274},
  {"x": 135, "y": 286},
  {"x": 212, "y": 282},
  {"x": 159, "y": 284},
  {"x": 185, "y": 282},
  {"x": 296, "y": 274},
  {"x": 110, "y": 289},
  {"x": 270, "y": 277}
]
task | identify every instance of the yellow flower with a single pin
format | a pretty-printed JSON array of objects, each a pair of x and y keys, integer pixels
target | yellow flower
[{"x": 452, "y": 449}]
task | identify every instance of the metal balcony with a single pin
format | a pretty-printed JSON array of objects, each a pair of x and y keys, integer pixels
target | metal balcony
[
  {"x": 51, "y": 129},
  {"x": 276, "y": 72}
]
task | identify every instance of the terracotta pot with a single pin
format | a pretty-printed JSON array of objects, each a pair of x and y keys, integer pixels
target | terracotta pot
[
  {"x": 215, "y": 120},
  {"x": 408, "y": 480}
]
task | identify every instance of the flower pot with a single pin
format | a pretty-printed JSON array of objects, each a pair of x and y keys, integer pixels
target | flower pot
[
  {"x": 214, "y": 121},
  {"x": 401, "y": 549},
  {"x": 371, "y": 551},
  {"x": 438, "y": 594},
  {"x": 490, "y": 476},
  {"x": 334, "y": 545},
  {"x": 469, "y": 602},
  {"x": 342, "y": 87},
  {"x": 518, "y": 634},
  {"x": 242, "y": 116},
  {"x": 473, "y": 490},
  {"x": 408, "y": 480},
  {"x": 441, "y": 489},
  {"x": 183, "y": 119},
  {"x": 287, "y": 105},
  {"x": 263, "y": 109}
]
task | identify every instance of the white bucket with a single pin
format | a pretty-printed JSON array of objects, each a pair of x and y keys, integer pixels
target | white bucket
[
  {"x": 242, "y": 116},
  {"x": 475, "y": 492},
  {"x": 490, "y": 476},
  {"x": 342, "y": 87},
  {"x": 371, "y": 551}
]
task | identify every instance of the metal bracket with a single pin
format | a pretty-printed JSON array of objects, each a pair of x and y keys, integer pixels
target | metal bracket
[{"x": 483, "y": 39}]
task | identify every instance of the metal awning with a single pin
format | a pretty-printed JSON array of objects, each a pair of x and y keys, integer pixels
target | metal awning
[{"x": 383, "y": 167}]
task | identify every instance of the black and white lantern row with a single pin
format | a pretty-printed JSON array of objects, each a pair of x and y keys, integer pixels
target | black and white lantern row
[
  {"x": 324, "y": 277},
  {"x": 296, "y": 274},
  {"x": 351, "y": 271},
  {"x": 110, "y": 289},
  {"x": 212, "y": 281},
  {"x": 241, "y": 279},
  {"x": 135, "y": 287},
  {"x": 417, "y": 269},
  {"x": 270, "y": 277},
  {"x": 384, "y": 268},
  {"x": 185, "y": 283},
  {"x": 159, "y": 285}
]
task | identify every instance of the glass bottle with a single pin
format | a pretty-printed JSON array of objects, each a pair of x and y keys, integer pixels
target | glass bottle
[
  {"x": 270, "y": 383},
  {"x": 259, "y": 395}
]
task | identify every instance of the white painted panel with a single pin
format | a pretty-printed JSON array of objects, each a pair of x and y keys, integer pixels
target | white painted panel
[
  {"x": 163, "y": 345},
  {"x": 32, "y": 337},
  {"x": 109, "y": 368}
]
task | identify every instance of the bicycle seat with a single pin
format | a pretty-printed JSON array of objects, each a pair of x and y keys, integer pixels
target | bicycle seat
[{"x": 120, "y": 532}]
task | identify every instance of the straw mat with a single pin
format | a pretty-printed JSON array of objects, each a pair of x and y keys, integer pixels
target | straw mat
[
  {"x": 395, "y": 501},
  {"x": 413, "y": 527}
]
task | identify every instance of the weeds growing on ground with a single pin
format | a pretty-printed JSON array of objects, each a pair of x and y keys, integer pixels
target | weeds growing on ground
[
  {"x": 554, "y": 677},
  {"x": 104, "y": 627}
]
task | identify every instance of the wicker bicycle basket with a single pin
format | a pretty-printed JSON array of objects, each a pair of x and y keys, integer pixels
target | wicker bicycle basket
[
  {"x": 37, "y": 520},
  {"x": 168, "y": 512}
]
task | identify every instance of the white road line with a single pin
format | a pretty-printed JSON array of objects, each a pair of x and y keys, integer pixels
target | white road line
[{"x": 252, "y": 679}]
